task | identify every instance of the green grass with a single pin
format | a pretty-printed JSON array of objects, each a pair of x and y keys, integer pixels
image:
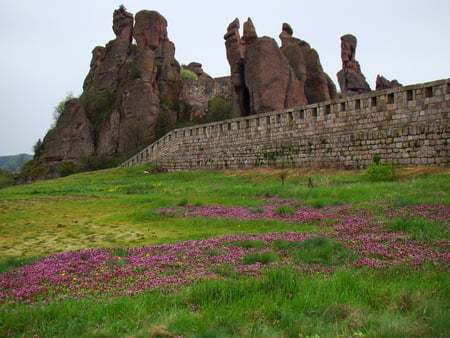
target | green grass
[
  {"x": 280, "y": 304},
  {"x": 321, "y": 250},
  {"x": 419, "y": 228},
  {"x": 117, "y": 208}
]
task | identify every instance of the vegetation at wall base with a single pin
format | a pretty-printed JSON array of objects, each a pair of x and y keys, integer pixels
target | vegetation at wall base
[
  {"x": 132, "y": 252},
  {"x": 379, "y": 171},
  {"x": 219, "y": 109}
]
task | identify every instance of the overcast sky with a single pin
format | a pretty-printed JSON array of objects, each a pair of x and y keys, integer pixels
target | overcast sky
[{"x": 47, "y": 44}]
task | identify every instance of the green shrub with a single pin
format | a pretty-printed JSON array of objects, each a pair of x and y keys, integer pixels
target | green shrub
[
  {"x": 263, "y": 258},
  {"x": 250, "y": 244},
  {"x": 379, "y": 171},
  {"x": 6, "y": 178},
  {"x": 186, "y": 74},
  {"x": 322, "y": 250},
  {"x": 94, "y": 162},
  {"x": 166, "y": 119},
  {"x": 38, "y": 147},
  {"x": 256, "y": 210},
  {"x": 182, "y": 202},
  {"x": 284, "y": 210},
  {"x": 32, "y": 171},
  {"x": 58, "y": 110},
  {"x": 98, "y": 104},
  {"x": 133, "y": 71},
  {"x": 68, "y": 168},
  {"x": 219, "y": 109}
]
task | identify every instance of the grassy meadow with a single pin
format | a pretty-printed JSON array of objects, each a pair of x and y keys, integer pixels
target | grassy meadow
[{"x": 245, "y": 253}]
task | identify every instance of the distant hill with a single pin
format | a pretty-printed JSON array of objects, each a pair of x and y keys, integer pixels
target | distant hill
[{"x": 14, "y": 163}]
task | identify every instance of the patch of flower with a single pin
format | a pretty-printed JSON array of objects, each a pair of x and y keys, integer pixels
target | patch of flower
[
  {"x": 302, "y": 214},
  {"x": 356, "y": 228},
  {"x": 440, "y": 213},
  {"x": 116, "y": 272},
  {"x": 101, "y": 272}
]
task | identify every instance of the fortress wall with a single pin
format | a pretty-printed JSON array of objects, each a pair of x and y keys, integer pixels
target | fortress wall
[{"x": 407, "y": 126}]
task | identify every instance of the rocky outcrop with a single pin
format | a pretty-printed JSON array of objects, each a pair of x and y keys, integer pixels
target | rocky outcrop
[
  {"x": 235, "y": 57},
  {"x": 150, "y": 33},
  {"x": 305, "y": 62},
  {"x": 262, "y": 78},
  {"x": 351, "y": 80},
  {"x": 129, "y": 92},
  {"x": 72, "y": 136},
  {"x": 196, "y": 94},
  {"x": 383, "y": 83},
  {"x": 271, "y": 82}
]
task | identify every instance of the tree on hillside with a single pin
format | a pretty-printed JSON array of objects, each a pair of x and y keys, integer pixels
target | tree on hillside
[
  {"x": 58, "y": 110},
  {"x": 37, "y": 148}
]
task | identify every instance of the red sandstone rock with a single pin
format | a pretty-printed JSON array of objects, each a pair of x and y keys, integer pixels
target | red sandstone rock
[
  {"x": 235, "y": 57},
  {"x": 123, "y": 24},
  {"x": 150, "y": 31},
  {"x": 262, "y": 78},
  {"x": 290, "y": 47},
  {"x": 72, "y": 136},
  {"x": 271, "y": 82},
  {"x": 350, "y": 78},
  {"x": 119, "y": 108},
  {"x": 249, "y": 35},
  {"x": 196, "y": 68},
  {"x": 139, "y": 115},
  {"x": 383, "y": 83},
  {"x": 306, "y": 64}
]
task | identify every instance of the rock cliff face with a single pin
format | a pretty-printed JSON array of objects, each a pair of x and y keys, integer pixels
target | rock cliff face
[
  {"x": 72, "y": 136},
  {"x": 235, "y": 57},
  {"x": 129, "y": 92},
  {"x": 305, "y": 62},
  {"x": 265, "y": 77}
]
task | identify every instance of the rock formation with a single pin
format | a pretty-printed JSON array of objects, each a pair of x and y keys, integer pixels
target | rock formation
[
  {"x": 134, "y": 93},
  {"x": 271, "y": 83},
  {"x": 196, "y": 68},
  {"x": 72, "y": 136},
  {"x": 305, "y": 62},
  {"x": 235, "y": 57},
  {"x": 129, "y": 92},
  {"x": 383, "y": 83},
  {"x": 350, "y": 78},
  {"x": 262, "y": 78},
  {"x": 196, "y": 94}
]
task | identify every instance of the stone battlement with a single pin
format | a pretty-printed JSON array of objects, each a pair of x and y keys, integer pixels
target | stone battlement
[{"x": 407, "y": 126}]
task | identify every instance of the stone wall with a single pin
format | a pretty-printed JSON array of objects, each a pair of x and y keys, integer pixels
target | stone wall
[{"x": 407, "y": 126}]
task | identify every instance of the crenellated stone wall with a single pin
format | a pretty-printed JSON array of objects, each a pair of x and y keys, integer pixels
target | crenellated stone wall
[{"x": 408, "y": 126}]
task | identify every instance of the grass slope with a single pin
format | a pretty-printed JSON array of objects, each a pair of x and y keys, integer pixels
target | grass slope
[{"x": 126, "y": 208}]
